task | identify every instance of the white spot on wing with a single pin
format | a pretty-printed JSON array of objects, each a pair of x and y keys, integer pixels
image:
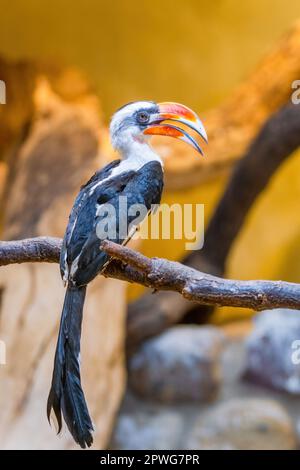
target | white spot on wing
[{"x": 74, "y": 266}]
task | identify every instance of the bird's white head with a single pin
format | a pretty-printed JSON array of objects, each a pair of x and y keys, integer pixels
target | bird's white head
[{"x": 136, "y": 122}]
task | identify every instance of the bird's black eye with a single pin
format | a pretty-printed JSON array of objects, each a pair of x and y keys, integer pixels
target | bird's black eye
[{"x": 143, "y": 117}]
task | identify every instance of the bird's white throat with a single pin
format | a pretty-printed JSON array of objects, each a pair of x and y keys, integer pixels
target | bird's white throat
[
  {"x": 136, "y": 155},
  {"x": 140, "y": 151},
  {"x": 133, "y": 158}
]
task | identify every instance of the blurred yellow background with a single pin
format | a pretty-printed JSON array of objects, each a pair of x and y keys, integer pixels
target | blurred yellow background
[{"x": 192, "y": 51}]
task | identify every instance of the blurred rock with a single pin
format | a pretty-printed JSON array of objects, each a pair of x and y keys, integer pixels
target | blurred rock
[
  {"x": 181, "y": 364},
  {"x": 240, "y": 424},
  {"x": 142, "y": 431},
  {"x": 271, "y": 350}
]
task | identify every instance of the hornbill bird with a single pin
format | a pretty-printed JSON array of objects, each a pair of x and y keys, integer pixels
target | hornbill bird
[{"x": 138, "y": 176}]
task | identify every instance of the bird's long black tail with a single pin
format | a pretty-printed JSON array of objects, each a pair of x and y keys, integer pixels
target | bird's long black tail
[{"x": 66, "y": 395}]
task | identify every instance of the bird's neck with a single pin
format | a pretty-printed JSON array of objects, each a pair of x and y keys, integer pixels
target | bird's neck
[{"x": 139, "y": 153}]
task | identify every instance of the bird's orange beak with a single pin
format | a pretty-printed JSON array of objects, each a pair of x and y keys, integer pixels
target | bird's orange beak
[{"x": 181, "y": 114}]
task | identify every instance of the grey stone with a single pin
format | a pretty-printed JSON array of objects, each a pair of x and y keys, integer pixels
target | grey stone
[
  {"x": 272, "y": 351},
  {"x": 242, "y": 424},
  {"x": 181, "y": 364},
  {"x": 147, "y": 431}
]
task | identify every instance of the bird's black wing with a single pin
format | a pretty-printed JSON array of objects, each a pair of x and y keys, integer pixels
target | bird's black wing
[
  {"x": 81, "y": 256},
  {"x": 82, "y": 198},
  {"x": 73, "y": 239}
]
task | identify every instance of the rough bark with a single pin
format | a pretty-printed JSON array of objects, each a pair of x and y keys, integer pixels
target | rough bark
[
  {"x": 30, "y": 250},
  {"x": 161, "y": 274}
]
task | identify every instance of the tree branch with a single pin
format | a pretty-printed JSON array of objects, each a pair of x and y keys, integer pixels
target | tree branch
[
  {"x": 161, "y": 274},
  {"x": 30, "y": 250}
]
